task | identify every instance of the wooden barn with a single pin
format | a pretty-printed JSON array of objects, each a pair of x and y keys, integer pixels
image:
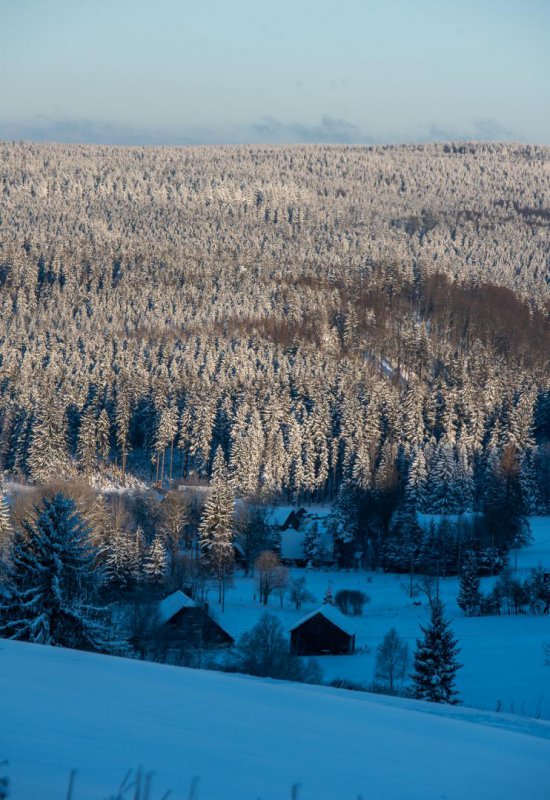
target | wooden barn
[
  {"x": 184, "y": 622},
  {"x": 325, "y": 631}
]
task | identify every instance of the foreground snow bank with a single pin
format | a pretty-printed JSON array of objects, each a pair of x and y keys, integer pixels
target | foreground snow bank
[{"x": 246, "y": 738}]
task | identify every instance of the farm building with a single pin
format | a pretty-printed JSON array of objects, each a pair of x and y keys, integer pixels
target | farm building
[
  {"x": 185, "y": 623},
  {"x": 303, "y": 536},
  {"x": 325, "y": 631}
]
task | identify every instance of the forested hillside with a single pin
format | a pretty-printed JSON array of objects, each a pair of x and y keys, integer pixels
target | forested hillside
[{"x": 338, "y": 320}]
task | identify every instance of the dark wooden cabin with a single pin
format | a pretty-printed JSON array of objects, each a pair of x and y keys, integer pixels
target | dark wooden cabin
[
  {"x": 323, "y": 632},
  {"x": 185, "y": 623}
]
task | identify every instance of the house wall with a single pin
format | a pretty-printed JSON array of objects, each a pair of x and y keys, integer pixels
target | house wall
[
  {"x": 194, "y": 628},
  {"x": 318, "y": 636}
]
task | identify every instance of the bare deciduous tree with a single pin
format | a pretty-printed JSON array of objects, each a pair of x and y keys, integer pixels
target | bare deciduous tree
[
  {"x": 271, "y": 575},
  {"x": 392, "y": 661}
]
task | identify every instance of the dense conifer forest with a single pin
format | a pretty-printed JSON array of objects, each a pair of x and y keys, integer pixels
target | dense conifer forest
[{"x": 361, "y": 324}]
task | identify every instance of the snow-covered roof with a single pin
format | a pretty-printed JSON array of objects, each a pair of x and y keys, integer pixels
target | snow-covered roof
[
  {"x": 279, "y": 514},
  {"x": 292, "y": 545},
  {"x": 170, "y": 606},
  {"x": 333, "y": 615}
]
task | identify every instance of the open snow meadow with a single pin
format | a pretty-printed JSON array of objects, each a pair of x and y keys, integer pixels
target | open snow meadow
[
  {"x": 502, "y": 656},
  {"x": 212, "y": 736},
  {"x": 245, "y": 738}
]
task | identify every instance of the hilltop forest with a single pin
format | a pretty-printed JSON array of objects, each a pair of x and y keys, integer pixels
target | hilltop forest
[{"x": 341, "y": 323}]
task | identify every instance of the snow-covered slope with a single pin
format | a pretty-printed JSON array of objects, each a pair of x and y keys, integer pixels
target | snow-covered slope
[{"x": 246, "y": 738}]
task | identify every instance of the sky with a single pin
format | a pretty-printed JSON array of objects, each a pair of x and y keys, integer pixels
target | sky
[{"x": 225, "y": 71}]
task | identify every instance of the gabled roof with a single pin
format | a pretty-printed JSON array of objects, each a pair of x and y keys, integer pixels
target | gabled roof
[
  {"x": 292, "y": 521},
  {"x": 170, "y": 606},
  {"x": 333, "y": 615}
]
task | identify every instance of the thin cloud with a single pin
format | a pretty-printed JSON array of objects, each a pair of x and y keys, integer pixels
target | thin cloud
[{"x": 330, "y": 130}]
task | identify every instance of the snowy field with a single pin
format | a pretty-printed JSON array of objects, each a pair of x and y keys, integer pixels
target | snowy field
[
  {"x": 246, "y": 738},
  {"x": 502, "y": 656}
]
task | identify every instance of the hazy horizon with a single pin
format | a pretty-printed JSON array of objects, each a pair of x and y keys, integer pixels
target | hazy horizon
[{"x": 374, "y": 72}]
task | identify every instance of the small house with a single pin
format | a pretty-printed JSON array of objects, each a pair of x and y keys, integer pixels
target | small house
[
  {"x": 323, "y": 632},
  {"x": 184, "y": 622},
  {"x": 294, "y": 520},
  {"x": 295, "y": 528}
]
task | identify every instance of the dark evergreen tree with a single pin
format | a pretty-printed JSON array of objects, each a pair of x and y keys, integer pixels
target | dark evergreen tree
[
  {"x": 6, "y": 530},
  {"x": 50, "y": 581},
  {"x": 217, "y": 527},
  {"x": 344, "y": 523},
  {"x": 505, "y": 510},
  {"x": 469, "y": 597},
  {"x": 328, "y": 599},
  {"x": 87, "y": 441},
  {"x": 435, "y": 664},
  {"x": 402, "y": 550}
]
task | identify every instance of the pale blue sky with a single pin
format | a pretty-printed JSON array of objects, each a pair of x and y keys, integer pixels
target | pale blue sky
[{"x": 284, "y": 70}]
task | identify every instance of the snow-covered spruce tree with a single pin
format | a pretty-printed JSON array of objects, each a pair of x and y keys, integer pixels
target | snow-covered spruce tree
[
  {"x": 103, "y": 435},
  {"x": 312, "y": 544},
  {"x": 156, "y": 563},
  {"x": 16, "y": 458},
  {"x": 415, "y": 489},
  {"x": 87, "y": 441},
  {"x": 344, "y": 523},
  {"x": 48, "y": 449},
  {"x": 6, "y": 529},
  {"x": 435, "y": 664},
  {"x": 444, "y": 486},
  {"x": 122, "y": 419},
  {"x": 528, "y": 482},
  {"x": 361, "y": 473},
  {"x": 50, "y": 581},
  {"x": 165, "y": 434},
  {"x": 469, "y": 596},
  {"x": 328, "y": 599},
  {"x": 216, "y": 530},
  {"x": 246, "y": 450},
  {"x": 123, "y": 557}
]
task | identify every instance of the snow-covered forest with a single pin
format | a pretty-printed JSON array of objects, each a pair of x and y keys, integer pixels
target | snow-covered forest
[{"x": 325, "y": 315}]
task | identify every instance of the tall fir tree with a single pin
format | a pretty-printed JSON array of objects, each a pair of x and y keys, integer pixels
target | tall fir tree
[
  {"x": 155, "y": 565},
  {"x": 312, "y": 544},
  {"x": 415, "y": 489},
  {"x": 444, "y": 483},
  {"x": 104, "y": 435},
  {"x": 469, "y": 596},
  {"x": 123, "y": 410},
  {"x": 48, "y": 449},
  {"x": 123, "y": 558},
  {"x": 504, "y": 506},
  {"x": 216, "y": 530},
  {"x": 435, "y": 664},
  {"x": 50, "y": 580},
  {"x": 6, "y": 529},
  {"x": 87, "y": 441}
]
